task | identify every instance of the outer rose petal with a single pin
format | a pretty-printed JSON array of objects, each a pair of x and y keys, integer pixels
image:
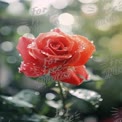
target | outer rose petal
[
  {"x": 85, "y": 51},
  {"x": 81, "y": 48},
  {"x": 22, "y": 48},
  {"x": 74, "y": 75},
  {"x": 31, "y": 69},
  {"x": 81, "y": 72}
]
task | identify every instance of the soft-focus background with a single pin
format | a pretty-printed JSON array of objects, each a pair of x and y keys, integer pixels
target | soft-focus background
[{"x": 34, "y": 100}]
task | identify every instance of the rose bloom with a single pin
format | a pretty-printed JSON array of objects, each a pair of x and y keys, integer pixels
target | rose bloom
[{"x": 61, "y": 55}]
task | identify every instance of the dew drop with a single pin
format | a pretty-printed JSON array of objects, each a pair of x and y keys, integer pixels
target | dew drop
[
  {"x": 32, "y": 44},
  {"x": 69, "y": 56},
  {"x": 91, "y": 57},
  {"x": 71, "y": 91},
  {"x": 56, "y": 84},
  {"x": 50, "y": 96},
  {"x": 92, "y": 42},
  {"x": 36, "y": 93},
  {"x": 43, "y": 52},
  {"x": 61, "y": 113},
  {"x": 100, "y": 99},
  {"x": 10, "y": 98},
  {"x": 19, "y": 54},
  {"x": 96, "y": 106}
]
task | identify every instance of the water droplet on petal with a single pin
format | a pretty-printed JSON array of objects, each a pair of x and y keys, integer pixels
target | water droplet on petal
[
  {"x": 43, "y": 52},
  {"x": 91, "y": 57},
  {"x": 92, "y": 42},
  {"x": 19, "y": 54}
]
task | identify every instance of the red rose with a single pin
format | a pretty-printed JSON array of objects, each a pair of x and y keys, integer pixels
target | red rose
[{"x": 57, "y": 53}]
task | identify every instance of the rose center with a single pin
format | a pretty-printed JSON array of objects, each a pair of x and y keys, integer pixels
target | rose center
[{"x": 56, "y": 46}]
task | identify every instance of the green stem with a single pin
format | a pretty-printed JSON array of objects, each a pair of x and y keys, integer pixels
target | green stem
[{"x": 62, "y": 96}]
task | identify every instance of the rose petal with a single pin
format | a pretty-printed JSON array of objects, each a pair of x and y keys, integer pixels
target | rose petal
[
  {"x": 73, "y": 43},
  {"x": 81, "y": 72},
  {"x": 43, "y": 39},
  {"x": 23, "y": 50},
  {"x": 31, "y": 69},
  {"x": 85, "y": 51},
  {"x": 58, "y": 47},
  {"x": 47, "y": 60},
  {"x": 35, "y": 52},
  {"x": 58, "y": 57},
  {"x": 74, "y": 75},
  {"x": 57, "y": 30},
  {"x": 30, "y": 66},
  {"x": 44, "y": 43}
]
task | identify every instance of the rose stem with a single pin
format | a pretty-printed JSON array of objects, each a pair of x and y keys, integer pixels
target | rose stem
[{"x": 62, "y": 96}]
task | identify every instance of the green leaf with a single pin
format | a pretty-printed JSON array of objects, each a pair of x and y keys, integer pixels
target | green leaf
[
  {"x": 35, "y": 118},
  {"x": 17, "y": 102},
  {"x": 29, "y": 96},
  {"x": 90, "y": 96},
  {"x": 56, "y": 119},
  {"x": 54, "y": 104},
  {"x": 25, "y": 98}
]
